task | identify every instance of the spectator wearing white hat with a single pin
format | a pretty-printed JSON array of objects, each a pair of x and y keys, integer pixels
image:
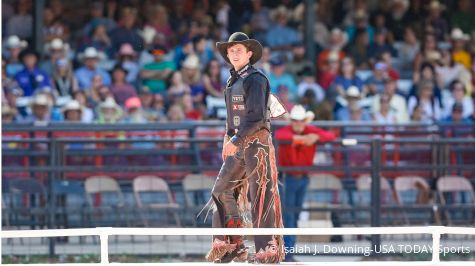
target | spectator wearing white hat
[
  {"x": 41, "y": 109},
  {"x": 300, "y": 152},
  {"x": 55, "y": 50},
  {"x": 108, "y": 112},
  {"x": 192, "y": 76},
  {"x": 11, "y": 52},
  {"x": 352, "y": 101},
  {"x": 87, "y": 114},
  {"x": 459, "y": 52},
  {"x": 72, "y": 111},
  {"x": 9, "y": 114},
  {"x": 85, "y": 74}
]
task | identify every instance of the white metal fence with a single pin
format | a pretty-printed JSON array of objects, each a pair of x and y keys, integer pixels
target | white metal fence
[{"x": 105, "y": 232}]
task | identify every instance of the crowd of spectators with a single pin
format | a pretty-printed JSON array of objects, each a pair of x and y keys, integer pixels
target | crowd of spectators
[{"x": 391, "y": 61}]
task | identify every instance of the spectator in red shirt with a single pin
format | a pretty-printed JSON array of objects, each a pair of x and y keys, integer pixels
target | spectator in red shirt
[
  {"x": 328, "y": 73},
  {"x": 300, "y": 152}
]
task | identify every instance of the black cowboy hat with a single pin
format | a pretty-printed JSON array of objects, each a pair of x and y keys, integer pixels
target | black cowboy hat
[
  {"x": 28, "y": 51},
  {"x": 242, "y": 38}
]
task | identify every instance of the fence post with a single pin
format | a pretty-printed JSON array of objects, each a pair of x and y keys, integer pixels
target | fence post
[
  {"x": 375, "y": 191},
  {"x": 435, "y": 245},
  {"x": 51, "y": 192},
  {"x": 104, "y": 239},
  {"x": 309, "y": 18}
]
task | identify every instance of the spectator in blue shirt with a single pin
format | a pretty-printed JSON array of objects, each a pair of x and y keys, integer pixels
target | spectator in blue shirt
[
  {"x": 347, "y": 78},
  {"x": 11, "y": 53},
  {"x": 182, "y": 51},
  {"x": 126, "y": 32},
  {"x": 457, "y": 115},
  {"x": 31, "y": 77},
  {"x": 281, "y": 37},
  {"x": 86, "y": 73},
  {"x": 361, "y": 24},
  {"x": 278, "y": 77},
  {"x": 380, "y": 45},
  {"x": 42, "y": 109}
]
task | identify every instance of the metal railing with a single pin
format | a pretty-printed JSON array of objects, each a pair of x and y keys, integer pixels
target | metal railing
[
  {"x": 54, "y": 151},
  {"x": 105, "y": 232}
]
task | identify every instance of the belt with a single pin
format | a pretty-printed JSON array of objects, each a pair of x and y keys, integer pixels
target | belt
[{"x": 298, "y": 176}]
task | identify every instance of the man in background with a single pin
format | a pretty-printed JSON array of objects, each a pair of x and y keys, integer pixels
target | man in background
[{"x": 300, "y": 152}]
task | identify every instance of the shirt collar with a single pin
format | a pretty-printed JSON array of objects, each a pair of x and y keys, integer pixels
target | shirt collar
[{"x": 240, "y": 72}]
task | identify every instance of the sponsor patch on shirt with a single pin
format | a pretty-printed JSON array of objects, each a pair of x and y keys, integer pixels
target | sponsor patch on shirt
[
  {"x": 236, "y": 121},
  {"x": 238, "y": 98},
  {"x": 239, "y": 107}
]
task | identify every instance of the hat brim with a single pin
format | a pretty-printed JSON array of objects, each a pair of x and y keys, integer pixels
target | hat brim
[
  {"x": 252, "y": 44},
  {"x": 460, "y": 38}
]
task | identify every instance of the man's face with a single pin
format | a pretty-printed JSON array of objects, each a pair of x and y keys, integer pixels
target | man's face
[
  {"x": 129, "y": 20},
  {"x": 90, "y": 63},
  {"x": 73, "y": 115},
  {"x": 457, "y": 115},
  {"x": 390, "y": 87},
  {"x": 278, "y": 70},
  {"x": 299, "y": 51},
  {"x": 40, "y": 111},
  {"x": 297, "y": 125},
  {"x": 458, "y": 92},
  {"x": 238, "y": 55},
  {"x": 30, "y": 61}
]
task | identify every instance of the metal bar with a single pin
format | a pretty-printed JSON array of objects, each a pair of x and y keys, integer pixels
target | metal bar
[
  {"x": 169, "y": 126},
  {"x": 170, "y": 231},
  {"x": 52, "y": 194},
  {"x": 375, "y": 192},
  {"x": 309, "y": 24},
  {"x": 39, "y": 6}
]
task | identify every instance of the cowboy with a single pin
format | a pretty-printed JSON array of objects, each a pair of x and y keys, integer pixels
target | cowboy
[
  {"x": 31, "y": 78},
  {"x": 85, "y": 74},
  {"x": 249, "y": 159},
  {"x": 300, "y": 151}
]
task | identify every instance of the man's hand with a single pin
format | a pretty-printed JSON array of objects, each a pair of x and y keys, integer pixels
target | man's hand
[
  {"x": 229, "y": 149},
  {"x": 306, "y": 140},
  {"x": 310, "y": 139}
]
